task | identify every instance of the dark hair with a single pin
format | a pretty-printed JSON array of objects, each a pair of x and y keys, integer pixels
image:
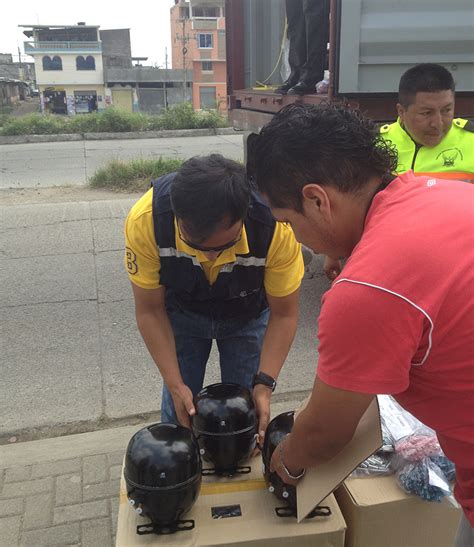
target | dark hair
[
  {"x": 427, "y": 77},
  {"x": 327, "y": 145},
  {"x": 208, "y": 190}
]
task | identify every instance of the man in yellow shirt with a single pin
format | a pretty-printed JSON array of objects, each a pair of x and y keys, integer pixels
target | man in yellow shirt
[{"x": 208, "y": 261}]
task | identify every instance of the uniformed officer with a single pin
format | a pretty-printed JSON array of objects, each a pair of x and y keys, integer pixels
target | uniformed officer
[
  {"x": 428, "y": 139},
  {"x": 208, "y": 261}
]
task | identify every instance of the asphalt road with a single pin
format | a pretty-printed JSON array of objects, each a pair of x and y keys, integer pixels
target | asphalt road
[
  {"x": 71, "y": 163},
  {"x": 72, "y": 358}
]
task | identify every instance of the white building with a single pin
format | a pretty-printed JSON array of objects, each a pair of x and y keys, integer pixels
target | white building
[{"x": 69, "y": 67}]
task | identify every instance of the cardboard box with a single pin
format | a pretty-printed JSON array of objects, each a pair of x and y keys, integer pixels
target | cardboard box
[
  {"x": 256, "y": 523},
  {"x": 379, "y": 514},
  {"x": 326, "y": 477}
]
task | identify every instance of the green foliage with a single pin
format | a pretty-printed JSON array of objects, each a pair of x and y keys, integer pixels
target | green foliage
[
  {"x": 84, "y": 123},
  {"x": 3, "y": 119},
  {"x": 34, "y": 124},
  {"x": 113, "y": 120},
  {"x": 134, "y": 175},
  {"x": 5, "y": 112},
  {"x": 180, "y": 116},
  {"x": 211, "y": 118}
]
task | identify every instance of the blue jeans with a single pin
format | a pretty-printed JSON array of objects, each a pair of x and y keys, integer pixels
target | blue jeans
[{"x": 239, "y": 342}]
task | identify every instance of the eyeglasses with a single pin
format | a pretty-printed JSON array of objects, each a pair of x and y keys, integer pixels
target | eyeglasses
[{"x": 219, "y": 249}]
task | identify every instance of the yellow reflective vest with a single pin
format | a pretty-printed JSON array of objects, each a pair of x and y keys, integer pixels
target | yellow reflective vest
[{"x": 452, "y": 158}]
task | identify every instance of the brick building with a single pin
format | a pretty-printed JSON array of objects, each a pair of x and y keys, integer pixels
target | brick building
[{"x": 198, "y": 45}]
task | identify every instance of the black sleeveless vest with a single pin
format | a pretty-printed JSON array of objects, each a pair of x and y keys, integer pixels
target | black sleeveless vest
[{"x": 238, "y": 291}]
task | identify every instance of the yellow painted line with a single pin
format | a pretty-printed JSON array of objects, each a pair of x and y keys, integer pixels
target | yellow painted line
[
  {"x": 232, "y": 486},
  {"x": 228, "y": 487}
]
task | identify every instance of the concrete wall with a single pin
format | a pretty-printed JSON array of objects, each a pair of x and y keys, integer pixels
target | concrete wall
[
  {"x": 152, "y": 100},
  {"x": 116, "y": 47},
  {"x": 69, "y": 75},
  {"x": 6, "y": 58},
  {"x": 17, "y": 71},
  {"x": 145, "y": 74},
  {"x": 9, "y": 93},
  {"x": 9, "y": 71}
]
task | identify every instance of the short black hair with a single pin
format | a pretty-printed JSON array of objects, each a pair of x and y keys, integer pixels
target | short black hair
[
  {"x": 425, "y": 77},
  {"x": 208, "y": 190},
  {"x": 328, "y": 145}
]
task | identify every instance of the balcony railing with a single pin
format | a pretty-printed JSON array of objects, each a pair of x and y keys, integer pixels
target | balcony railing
[{"x": 71, "y": 47}]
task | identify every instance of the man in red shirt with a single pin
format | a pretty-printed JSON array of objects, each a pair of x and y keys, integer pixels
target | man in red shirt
[{"x": 400, "y": 317}]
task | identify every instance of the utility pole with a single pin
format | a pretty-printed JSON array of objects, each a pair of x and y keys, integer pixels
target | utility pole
[
  {"x": 166, "y": 78},
  {"x": 185, "y": 50},
  {"x": 184, "y": 39}
]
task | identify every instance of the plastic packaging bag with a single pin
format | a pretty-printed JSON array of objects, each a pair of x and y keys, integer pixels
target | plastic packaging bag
[
  {"x": 322, "y": 86},
  {"x": 421, "y": 466},
  {"x": 418, "y": 445},
  {"x": 380, "y": 462},
  {"x": 377, "y": 464},
  {"x": 424, "y": 479}
]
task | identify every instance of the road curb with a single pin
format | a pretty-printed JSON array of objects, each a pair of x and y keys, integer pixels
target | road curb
[
  {"x": 280, "y": 402},
  {"x": 69, "y": 137}
]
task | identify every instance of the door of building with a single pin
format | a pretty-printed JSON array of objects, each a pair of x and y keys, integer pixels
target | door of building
[
  {"x": 85, "y": 101},
  {"x": 55, "y": 100},
  {"x": 123, "y": 99}
]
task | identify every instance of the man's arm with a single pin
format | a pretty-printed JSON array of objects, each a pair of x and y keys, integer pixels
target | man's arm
[
  {"x": 322, "y": 429},
  {"x": 155, "y": 328},
  {"x": 277, "y": 342}
]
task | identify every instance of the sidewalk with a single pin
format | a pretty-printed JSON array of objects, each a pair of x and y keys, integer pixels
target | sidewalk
[{"x": 65, "y": 490}]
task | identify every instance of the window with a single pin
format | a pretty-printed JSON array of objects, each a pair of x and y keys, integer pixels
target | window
[
  {"x": 205, "y": 41},
  {"x": 207, "y": 96},
  {"x": 85, "y": 64},
  {"x": 206, "y": 12},
  {"x": 207, "y": 66},
  {"x": 52, "y": 64},
  {"x": 184, "y": 13}
]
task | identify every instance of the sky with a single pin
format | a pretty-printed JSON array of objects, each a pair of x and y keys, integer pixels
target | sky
[{"x": 148, "y": 21}]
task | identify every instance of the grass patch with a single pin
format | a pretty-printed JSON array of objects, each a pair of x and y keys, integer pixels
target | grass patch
[
  {"x": 113, "y": 120},
  {"x": 133, "y": 176}
]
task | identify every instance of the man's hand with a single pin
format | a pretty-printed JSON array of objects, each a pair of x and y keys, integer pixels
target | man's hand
[
  {"x": 276, "y": 464},
  {"x": 261, "y": 396},
  {"x": 332, "y": 267},
  {"x": 183, "y": 404}
]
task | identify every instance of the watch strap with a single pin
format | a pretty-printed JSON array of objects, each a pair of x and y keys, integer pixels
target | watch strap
[{"x": 264, "y": 379}]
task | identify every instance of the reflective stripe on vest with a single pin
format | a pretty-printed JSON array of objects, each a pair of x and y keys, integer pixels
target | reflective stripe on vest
[
  {"x": 238, "y": 290},
  {"x": 239, "y": 260}
]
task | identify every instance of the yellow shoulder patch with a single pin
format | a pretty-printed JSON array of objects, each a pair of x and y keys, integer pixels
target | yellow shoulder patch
[
  {"x": 385, "y": 128},
  {"x": 460, "y": 122},
  {"x": 467, "y": 125}
]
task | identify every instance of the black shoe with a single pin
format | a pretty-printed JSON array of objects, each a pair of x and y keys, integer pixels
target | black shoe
[
  {"x": 285, "y": 86},
  {"x": 302, "y": 88}
]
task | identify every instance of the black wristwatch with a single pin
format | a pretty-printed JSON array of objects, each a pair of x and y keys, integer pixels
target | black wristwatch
[{"x": 265, "y": 380}]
